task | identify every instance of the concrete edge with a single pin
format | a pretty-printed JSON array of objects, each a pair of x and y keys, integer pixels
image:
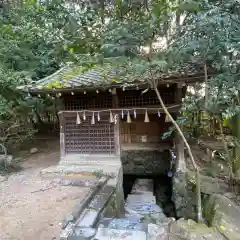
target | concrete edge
[
  {"x": 79, "y": 207},
  {"x": 103, "y": 209},
  {"x": 82, "y": 210}
]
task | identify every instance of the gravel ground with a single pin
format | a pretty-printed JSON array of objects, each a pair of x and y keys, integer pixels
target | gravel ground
[{"x": 31, "y": 207}]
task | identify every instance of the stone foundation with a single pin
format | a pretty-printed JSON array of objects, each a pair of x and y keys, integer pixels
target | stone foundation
[
  {"x": 115, "y": 206},
  {"x": 180, "y": 193},
  {"x": 145, "y": 162}
]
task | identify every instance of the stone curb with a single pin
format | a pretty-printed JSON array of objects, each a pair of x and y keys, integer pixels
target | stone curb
[
  {"x": 82, "y": 205},
  {"x": 87, "y": 213},
  {"x": 92, "y": 214}
]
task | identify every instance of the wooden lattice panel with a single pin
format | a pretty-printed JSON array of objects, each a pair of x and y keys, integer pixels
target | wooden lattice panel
[
  {"x": 89, "y": 139},
  {"x": 135, "y": 98},
  {"x": 94, "y": 101}
]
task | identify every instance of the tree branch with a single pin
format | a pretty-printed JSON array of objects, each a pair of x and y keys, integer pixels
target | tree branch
[{"x": 206, "y": 85}]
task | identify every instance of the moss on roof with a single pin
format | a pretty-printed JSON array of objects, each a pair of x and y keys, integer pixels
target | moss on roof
[{"x": 70, "y": 77}]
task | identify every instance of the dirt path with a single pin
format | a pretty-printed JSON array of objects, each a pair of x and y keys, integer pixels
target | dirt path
[{"x": 31, "y": 208}]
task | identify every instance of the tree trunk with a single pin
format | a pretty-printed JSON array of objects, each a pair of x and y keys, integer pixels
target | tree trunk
[
  {"x": 213, "y": 127},
  {"x": 229, "y": 159},
  {"x": 206, "y": 86},
  {"x": 197, "y": 175},
  {"x": 38, "y": 117},
  {"x": 192, "y": 126},
  {"x": 236, "y": 133},
  {"x": 199, "y": 114}
]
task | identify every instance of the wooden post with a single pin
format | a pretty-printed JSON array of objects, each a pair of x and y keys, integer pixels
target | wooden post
[
  {"x": 62, "y": 135},
  {"x": 117, "y": 137},
  {"x": 115, "y": 104},
  {"x": 178, "y": 96}
]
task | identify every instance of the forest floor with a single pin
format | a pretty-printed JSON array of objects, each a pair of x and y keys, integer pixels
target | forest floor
[
  {"x": 33, "y": 207},
  {"x": 217, "y": 166},
  {"x": 214, "y": 169}
]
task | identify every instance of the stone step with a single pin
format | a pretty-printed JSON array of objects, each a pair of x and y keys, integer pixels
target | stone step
[
  {"x": 133, "y": 217},
  {"x": 116, "y": 234},
  {"x": 157, "y": 218},
  {"x": 140, "y": 198},
  {"x": 124, "y": 224},
  {"x": 94, "y": 168},
  {"x": 82, "y": 233},
  {"x": 141, "y": 192},
  {"x": 144, "y": 208},
  {"x": 143, "y": 185},
  {"x": 156, "y": 232}
]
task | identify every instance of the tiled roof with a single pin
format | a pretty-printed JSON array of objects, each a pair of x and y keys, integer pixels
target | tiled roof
[{"x": 75, "y": 77}]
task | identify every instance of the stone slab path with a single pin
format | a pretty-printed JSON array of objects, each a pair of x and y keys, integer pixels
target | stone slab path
[
  {"x": 141, "y": 209},
  {"x": 33, "y": 207},
  {"x": 145, "y": 220}
]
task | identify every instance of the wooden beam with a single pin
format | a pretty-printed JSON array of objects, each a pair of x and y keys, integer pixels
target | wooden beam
[{"x": 151, "y": 109}]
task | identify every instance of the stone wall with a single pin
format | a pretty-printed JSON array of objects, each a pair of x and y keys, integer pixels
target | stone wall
[
  {"x": 145, "y": 162},
  {"x": 179, "y": 182}
]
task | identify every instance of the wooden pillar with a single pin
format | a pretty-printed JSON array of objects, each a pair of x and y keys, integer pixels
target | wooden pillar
[
  {"x": 62, "y": 135},
  {"x": 115, "y": 104},
  {"x": 178, "y": 96},
  {"x": 60, "y": 103}
]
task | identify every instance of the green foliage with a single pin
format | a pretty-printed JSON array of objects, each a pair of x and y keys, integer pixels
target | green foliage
[
  {"x": 4, "y": 170},
  {"x": 36, "y": 38},
  {"x": 212, "y": 37}
]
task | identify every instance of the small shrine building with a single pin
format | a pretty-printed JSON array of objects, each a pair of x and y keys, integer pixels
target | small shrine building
[{"x": 103, "y": 118}]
